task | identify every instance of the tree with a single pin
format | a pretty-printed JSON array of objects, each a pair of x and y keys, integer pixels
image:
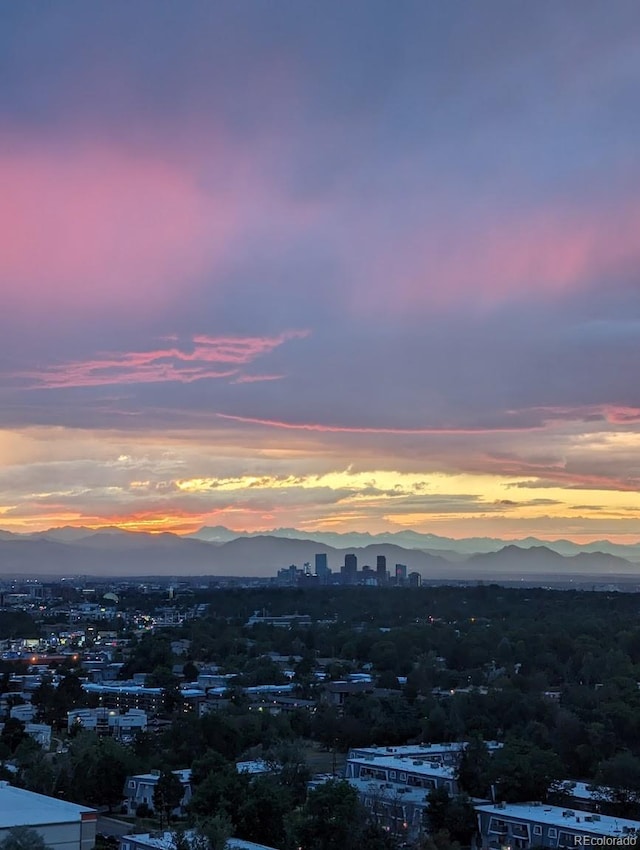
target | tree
[
  {"x": 98, "y": 769},
  {"x": 439, "y": 801},
  {"x": 190, "y": 671},
  {"x": 13, "y": 734},
  {"x": 474, "y": 768},
  {"x": 216, "y": 831},
  {"x": 331, "y": 819},
  {"x": 23, "y": 838},
  {"x": 618, "y": 781},
  {"x": 167, "y": 795},
  {"x": 262, "y": 813},
  {"x": 522, "y": 771}
]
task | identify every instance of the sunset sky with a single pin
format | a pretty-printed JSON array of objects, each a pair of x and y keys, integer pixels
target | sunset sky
[{"x": 339, "y": 265}]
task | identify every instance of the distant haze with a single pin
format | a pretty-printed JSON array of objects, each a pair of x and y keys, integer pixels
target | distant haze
[{"x": 112, "y": 552}]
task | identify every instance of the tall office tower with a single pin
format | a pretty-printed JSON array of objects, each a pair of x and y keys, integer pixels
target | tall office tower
[
  {"x": 322, "y": 570},
  {"x": 381, "y": 570},
  {"x": 415, "y": 580},
  {"x": 350, "y": 572},
  {"x": 401, "y": 574}
]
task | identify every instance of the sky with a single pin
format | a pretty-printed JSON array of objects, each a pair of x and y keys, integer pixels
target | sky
[{"x": 366, "y": 265}]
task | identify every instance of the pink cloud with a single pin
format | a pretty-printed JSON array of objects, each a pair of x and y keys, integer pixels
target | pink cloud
[
  {"x": 164, "y": 364},
  {"x": 100, "y": 228},
  {"x": 254, "y": 379},
  {"x": 455, "y": 257}
]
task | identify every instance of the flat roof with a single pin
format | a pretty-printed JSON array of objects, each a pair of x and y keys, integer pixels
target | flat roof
[
  {"x": 554, "y": 816},
  {"x": 418, "y": 750},
  {"x": 24, "y": 808},
  {"x": 407, "y": 765},
  {"x": 387, "y": 792},
  {"x": 165, "y": 842}
]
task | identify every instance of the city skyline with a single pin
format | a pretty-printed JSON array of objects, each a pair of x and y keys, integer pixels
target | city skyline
[{"x": 324, "y": 266}]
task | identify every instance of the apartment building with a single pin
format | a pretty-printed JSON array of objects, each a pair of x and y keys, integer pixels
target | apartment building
[
  {"x": 62, "y": 825},
  {"x": 520, "y": 826}
]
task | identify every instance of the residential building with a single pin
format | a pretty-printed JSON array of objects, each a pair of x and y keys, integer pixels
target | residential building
[
  {"x": 336, "y": 693},
  {"x": 285, "y": 621},
  {"x": 105, "y": 721},
  {"x": 139, "y": 789},
  {"x": 62, "y": 825},
  {"x": 124, "y": 696},
  {"x": 524, "y": 825},
  {"x": 40, "y": 732},
  {"x": 395, "y": 789},
  {"x": 446, "y": 754},
  {"x": 402, "y": 772},
  {"x": 164, "y": 841}
]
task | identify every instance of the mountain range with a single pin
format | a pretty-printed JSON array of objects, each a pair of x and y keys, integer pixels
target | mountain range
[{"x": 221, "y": 552}]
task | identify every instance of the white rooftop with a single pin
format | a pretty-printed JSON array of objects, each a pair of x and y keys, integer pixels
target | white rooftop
[
  {"x": 24, "y": 808},
  {"x": 256, "y": 766},
  {"x": 388, "y": 792},
  {"x": 418, "y": 750},
  {"x": 578, "y": 821},
  {"x": 165, "y": 842},
  {"x": 184, "y": 775},
  {"x": 408, "y": 765}
]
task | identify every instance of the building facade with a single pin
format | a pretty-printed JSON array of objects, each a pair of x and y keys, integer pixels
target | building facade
[
  {"x": 62, "y": 825},
  {"x": 521, "y": 826}
]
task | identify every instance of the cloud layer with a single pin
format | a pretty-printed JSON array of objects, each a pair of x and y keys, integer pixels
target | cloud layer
[{"x": 346, "y": 266}]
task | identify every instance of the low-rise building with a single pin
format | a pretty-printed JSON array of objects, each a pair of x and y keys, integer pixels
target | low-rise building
[
  {"x": 395, "y": 789},
  {"x": 138, "y": 790},
  {"x": 448, "y": 753},
  {"x": 402, "y": 772},
  {"x": 62, "y": 825},
  {"x": 284, "y": 621},
  {"x": 164, "y": 841},
  {"x": 524, "y": 825},
  {"x": 40, "y": 732},
  {"x": 105, "y": 721}
]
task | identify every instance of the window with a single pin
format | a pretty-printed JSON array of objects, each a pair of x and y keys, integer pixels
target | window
[
  {"x": 537, "y": 830},
  {"x": 521, "y": 830},
  {"x": 392, "y": 774},
  {"x": 403, "y": 777},
  {"x": 553, "y": 832},
  {"x": 132, "y": 783}
]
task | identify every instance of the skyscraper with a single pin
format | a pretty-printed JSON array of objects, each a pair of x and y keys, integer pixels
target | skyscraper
[
  {"x": 401, "y": 574},
  {"x": 350, "y": 571},
  {"x": 381, "y": 569},
  {"x": 322, "y": 570}
]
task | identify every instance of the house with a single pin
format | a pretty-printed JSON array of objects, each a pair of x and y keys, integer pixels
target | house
[
  {"x": 524, "y": 825},
  {"x": 138, "y": 790},
  {"x": 62, "y": 825},
  {"x": 164, "y": 841}
]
